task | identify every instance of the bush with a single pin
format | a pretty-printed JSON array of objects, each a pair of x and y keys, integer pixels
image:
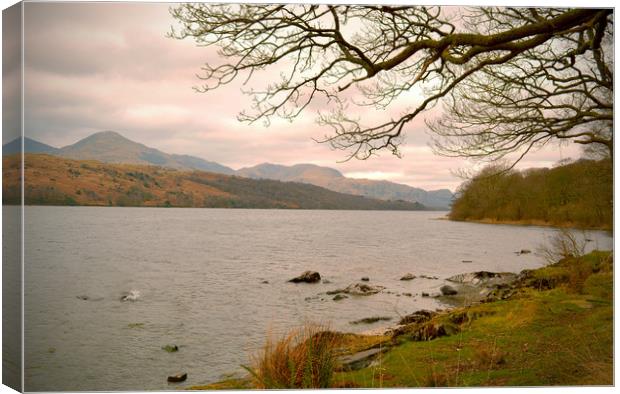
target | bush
[
  {"x": 304, "y": 358},
  {"x": 564, "y": 244}
]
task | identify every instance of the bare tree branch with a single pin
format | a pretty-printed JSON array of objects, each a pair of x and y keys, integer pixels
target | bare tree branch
[{"x": 509, "y": 79}]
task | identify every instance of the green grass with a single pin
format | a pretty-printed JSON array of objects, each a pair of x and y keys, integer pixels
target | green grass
[{"x": 562, "y": 336}]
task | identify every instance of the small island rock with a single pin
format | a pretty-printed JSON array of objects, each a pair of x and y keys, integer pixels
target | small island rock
[
  {"x": 171, "y": 348},
  {"x": 307, "y": 277},
  {"x": 180, "y": 377},
  {"x": 358, "y": 289},
  {"x": 448, "y": 290},
  {"x": 408, "y": 276}
]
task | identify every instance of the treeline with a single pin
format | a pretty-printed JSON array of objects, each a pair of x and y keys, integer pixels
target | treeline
[
  {"x": 578, "y": 194},
  {"x": 256, "y": 193},
  {"x": 51, "y": 180}
]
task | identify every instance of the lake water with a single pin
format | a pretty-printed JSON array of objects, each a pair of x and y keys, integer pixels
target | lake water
[{"x": 199, "y": 273}]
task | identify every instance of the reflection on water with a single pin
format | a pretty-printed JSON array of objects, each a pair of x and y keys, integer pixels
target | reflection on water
[{"x": 196, "y": 279}]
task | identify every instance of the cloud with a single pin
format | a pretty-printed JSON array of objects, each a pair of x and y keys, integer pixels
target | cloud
[
  {"x": 109, "y": 66},
  {"x": 11, "y": 73}
]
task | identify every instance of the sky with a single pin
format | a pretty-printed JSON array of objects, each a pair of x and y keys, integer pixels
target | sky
[{"x": 91, "y": 67}]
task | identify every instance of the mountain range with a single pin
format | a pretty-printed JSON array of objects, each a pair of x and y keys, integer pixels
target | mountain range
[
  {"x": 112, "y": 147},
  {"x": 55, "y": 180}
]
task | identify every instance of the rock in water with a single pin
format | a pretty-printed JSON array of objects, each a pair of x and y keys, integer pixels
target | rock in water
[
  {"x": 448, "y": 290},
  {"x": 370, "y": 320},
  {"x": 307, "y": 277},
  {"x": 180, "y": 377},
  {"x": 482, "y": 278},
  {"x": 362, "y": 289},
  {"x": 133, "y": 295},
  {"x": 358, "y": 289},
  {"x": 408, "y": 277},
  {"x": 339, "y": 297},
  {"x": 171, "y": 348},
  {"x": 365, "y": 279}
]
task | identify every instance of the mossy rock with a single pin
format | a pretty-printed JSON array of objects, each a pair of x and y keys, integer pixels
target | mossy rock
[
  {"x": 171, "y": 348},
  {"x": 434, "y": 329}
]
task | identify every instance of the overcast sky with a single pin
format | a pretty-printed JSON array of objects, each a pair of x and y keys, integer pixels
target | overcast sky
[{"x": 109, "y": 66}]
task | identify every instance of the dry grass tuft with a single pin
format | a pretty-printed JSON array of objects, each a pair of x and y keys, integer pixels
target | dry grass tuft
[
  {"x": 436, "y": 378},
  {"x": 489, "y": 356},
  {"x": 303, "y": 358}
]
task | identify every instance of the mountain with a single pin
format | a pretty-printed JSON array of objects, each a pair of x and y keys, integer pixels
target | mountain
[
  {"x": 298, "y": 172},
  {"x": 53, "y": 180},
  {"x": 196, "y": 163},
  {"x": 111, "y": 147},
  {"x": 332, "y": 179},
  {"x": 30, "y": 145}
]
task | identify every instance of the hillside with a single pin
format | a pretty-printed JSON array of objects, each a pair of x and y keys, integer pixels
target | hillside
[
  {"x": 579, "y": 194},
  {"x": 30, "y": 145},
  {"x": 51, "y": 180},
  {"x": 332, "y": 179},
  {"x": 111, "y": 147}
]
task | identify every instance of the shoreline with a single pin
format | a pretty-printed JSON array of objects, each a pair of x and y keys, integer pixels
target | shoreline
[
  {"x": 529, "y": 223},
  {"x": 515, "y": 321}
]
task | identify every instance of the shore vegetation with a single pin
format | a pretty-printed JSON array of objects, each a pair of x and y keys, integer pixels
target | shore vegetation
[
  {"x": 578, "y": 194},
  {"x": 551, "y": 326}
]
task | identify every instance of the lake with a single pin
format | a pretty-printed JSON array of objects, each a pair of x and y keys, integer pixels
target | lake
[{"x": 200, "y": 272}]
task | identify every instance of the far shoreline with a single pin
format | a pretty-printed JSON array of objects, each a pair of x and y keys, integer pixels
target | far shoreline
[
  {"x": 530, "y": 223},
  {"x": 230, "y": 208}
]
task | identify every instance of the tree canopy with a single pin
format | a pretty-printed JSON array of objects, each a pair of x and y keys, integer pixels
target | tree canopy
[
  {"x": 574, "y": 194},
  {"x": 508, "y": 79}
]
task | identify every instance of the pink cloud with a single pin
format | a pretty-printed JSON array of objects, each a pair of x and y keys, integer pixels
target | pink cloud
[{"x": 110, "y": 66}]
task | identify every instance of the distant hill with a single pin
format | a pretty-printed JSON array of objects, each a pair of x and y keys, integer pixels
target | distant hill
[
  {"x": 295, "y": 172},
  {"x": 52, "y": 180},
  {"x": 112, "y": 147},
  {"x": 30, "y": 145},
  {"x": 332, "y": 179}
]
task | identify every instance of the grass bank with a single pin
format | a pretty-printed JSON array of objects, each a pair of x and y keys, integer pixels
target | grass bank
[{"x": 552, "y": 326}]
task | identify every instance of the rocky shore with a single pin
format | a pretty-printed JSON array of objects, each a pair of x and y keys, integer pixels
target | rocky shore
[
  {"x": 546, "y": 326},
  {"x": 482, "y": 294}
]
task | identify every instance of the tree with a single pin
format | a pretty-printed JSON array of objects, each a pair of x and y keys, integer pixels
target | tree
[
  {"x": 509, "y": 79},
  {"x": 578, "y": 194}
]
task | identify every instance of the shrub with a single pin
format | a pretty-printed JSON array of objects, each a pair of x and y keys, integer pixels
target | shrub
[
  {"x": 303, "y": 358},
  {"x": 563, "y": 245}
]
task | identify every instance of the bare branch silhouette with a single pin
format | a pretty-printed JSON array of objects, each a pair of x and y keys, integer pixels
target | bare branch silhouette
[{"x": 509, "y": 79}]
